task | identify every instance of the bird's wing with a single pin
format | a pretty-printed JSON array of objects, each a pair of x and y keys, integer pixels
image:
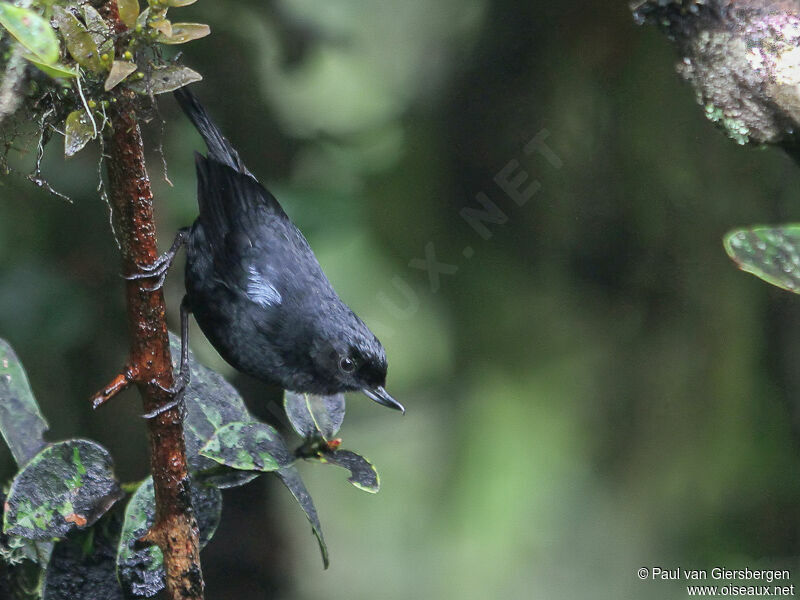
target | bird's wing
[
  {"x": 231, "y": 201},
  {"x": 257, "y": 250}
]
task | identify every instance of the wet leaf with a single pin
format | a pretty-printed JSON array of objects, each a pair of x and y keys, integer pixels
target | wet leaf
[
  {"x": 30, "y": 30},
  {"x": 79, "y": 41},
  {"x": 141, "y": 570},
  {"x": 23, "y": 563},
  {"x": 180, "y": 33},
  {"x": 78, "y": 131},
  {"x": 120, "y": 69},
  {"x": 248, "y": 447},
  {"x": 98, "y": 29},
  {"x": 82, "y": 566},
  {"x": 128, "y": 11},
  {"x": 21, "y": 422},
  {"x": 66, "y": 486},
  {"x": 166, "y": 79},
  {"x": 312, "y": 415},
  {"x": 362, "y": 474},
  {"x": 770, "y": 253},
  {"x": 291, "y": 479},
  {"x": 163, "y": 26},
  {"x": 141, "y": 20},
  {"x": 178, "y": 3},
  {"x": 211, "y": 402},
  {"x": 54, "y": 70}
]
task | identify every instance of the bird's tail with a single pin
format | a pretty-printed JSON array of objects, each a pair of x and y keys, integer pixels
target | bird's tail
[{"x": 219, "y": 148}]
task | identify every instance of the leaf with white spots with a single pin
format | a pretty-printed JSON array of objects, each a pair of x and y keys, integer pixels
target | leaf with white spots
[
  {"x": 770, "y": 253},
  {"x": 165, "y": 79},
  {"x": 79, "y": 41},
  {"x": 78, "y": 131}
]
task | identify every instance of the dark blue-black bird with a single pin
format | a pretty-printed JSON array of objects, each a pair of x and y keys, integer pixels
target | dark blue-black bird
[{"x": 256, "y": 288}]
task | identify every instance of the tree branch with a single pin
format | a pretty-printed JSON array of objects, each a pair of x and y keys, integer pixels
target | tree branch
[
  {"x": 742, "y": 58},
  {"x": 175, "y": 529},
  {"x": 150, "y": 364}
]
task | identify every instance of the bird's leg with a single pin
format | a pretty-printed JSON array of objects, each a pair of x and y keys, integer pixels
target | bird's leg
[
  {"x": 159, "y": 267},
  {"x": 179, "y": 388}
]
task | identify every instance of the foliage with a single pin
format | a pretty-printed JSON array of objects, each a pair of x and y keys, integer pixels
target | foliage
[
  {"x": 62, "y": 515},
  {"x": 84, "y": 62}
]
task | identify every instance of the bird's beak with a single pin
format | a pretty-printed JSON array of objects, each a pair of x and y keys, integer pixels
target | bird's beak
[{"x": 381, "y": 396}]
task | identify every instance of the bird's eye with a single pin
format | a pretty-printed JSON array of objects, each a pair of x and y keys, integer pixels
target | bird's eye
[{"x": 347, "y": 364}]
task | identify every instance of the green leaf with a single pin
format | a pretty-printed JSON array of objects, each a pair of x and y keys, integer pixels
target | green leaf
[
  {"x": 98, "y": 29},
  {"x": 211, "y": 402},
  {"x": 291, "y": 479},
  {"x": 54, "y": 70},
  {"x": 141, "y": 20},
  {"x": 82, "y": 566},
  {"x": 362, "y": 474},
  {"x": 128, "y": 11},
  {"x": 120, "y": 69},
  {"x": 314, "y": 416},
  {"x": 180, "y": 33},
  {"x": 66, "y": 486},
  {"x": 162, "y": 25},
  {"x": 79, "y": 41},
  {"x": 30, "y": 30},
  {"x": 771, "y": 253},
  {"x": 178, "y": 3},
  {"x": 248, "y": 447},
  {"x": 166, "y": 79},
  {"x": 78, "y": 131},
  {"x": 141, "y": 570},
  {"x": 21, "y": 422}
]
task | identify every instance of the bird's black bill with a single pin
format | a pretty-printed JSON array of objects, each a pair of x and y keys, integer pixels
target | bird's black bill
[{"x": 381, "y": 396}]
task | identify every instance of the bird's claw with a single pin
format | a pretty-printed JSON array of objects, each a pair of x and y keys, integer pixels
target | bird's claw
[
  {"x": 157, "y": 270},
  {"x": 177, "y": 391},
  {"x": 160, "y": 266}
]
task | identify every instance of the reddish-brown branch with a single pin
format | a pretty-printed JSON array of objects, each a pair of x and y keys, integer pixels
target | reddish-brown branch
[
  {"x": 121, "y": 382},
  {"x": 175, "y": 529},
  {"x": 149, "y": 364}
]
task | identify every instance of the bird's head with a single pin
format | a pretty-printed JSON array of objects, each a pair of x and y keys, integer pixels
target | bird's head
[{"x": 353, "y": 359}]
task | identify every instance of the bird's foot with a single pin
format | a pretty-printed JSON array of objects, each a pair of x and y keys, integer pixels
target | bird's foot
[
  {"x": 177, "y": 391},
  {"x": 159, "y": 268}
]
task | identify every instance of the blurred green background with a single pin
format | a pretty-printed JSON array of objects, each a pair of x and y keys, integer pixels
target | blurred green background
[{"x": 595, "y": 389}]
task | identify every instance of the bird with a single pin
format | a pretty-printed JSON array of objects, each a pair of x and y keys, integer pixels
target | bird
[{"x": 256, "y": 289}]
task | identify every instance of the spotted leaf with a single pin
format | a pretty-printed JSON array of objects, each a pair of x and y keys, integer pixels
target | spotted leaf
[
  {"x": 66, "y": 486},
  {"x": 249, "y": 447},
  {"x": 165, "y": 79},
  {"x": 363, "y": 474},
  {"x": 770, "y": 253},
  {"x": 140, "y": 570},
  {"x": 80, "y": 43},
  {"x": 78, "y": 131}
]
